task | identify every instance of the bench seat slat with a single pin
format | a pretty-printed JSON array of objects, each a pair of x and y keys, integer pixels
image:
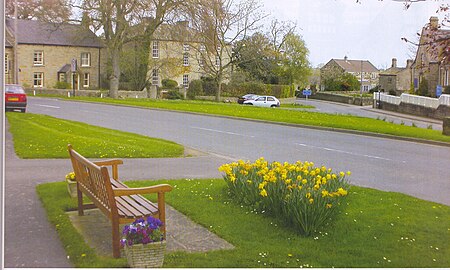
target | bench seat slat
[{"x": 134, "y": 205}]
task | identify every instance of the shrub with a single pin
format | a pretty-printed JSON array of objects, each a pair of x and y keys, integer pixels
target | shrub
[
  {"x": 423, "y": 88},
  {"x": 168, "y": 83},
  {"x": 174, "y": 94},
  {"x": 62, "y": 85},
  {"x": 300, "y": 194},
  {"x": 195, "y": 89}
]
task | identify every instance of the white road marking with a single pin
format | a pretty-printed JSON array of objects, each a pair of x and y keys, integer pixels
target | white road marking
[
  {"x": 224, "y": 132},
  {"x": 345, "y": 152},
  {"x": 48, "y": 106}
]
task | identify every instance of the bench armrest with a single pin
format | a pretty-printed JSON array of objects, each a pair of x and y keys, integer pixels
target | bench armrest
[
  {"x": 142, "y": 190},
  {"x": 113, "y": 163}
]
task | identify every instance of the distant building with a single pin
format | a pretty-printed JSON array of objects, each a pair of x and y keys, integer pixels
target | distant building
[
  {"x": 178, "y": 53},
  {"x": 396, "y": 79},
  {"x": 431, "y": 62},
  {"x": 336, "y": 67},
  {"x": 45, "y": 52}
]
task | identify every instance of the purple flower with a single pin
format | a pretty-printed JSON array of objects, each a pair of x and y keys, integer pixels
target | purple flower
[{"x": 142, "y": 231}]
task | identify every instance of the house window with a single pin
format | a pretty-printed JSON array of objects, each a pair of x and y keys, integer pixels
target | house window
[
  {"x": 202, "y": 48},
  {"x": 6, "y": 63},
  {"x": 365, "y": 88},
  {"x": 155, "y": 49},
  {"x": 201, "y": 61},
  {"x": 186, "y": 80},
  {"x": 38, "y": 58},
  {"x": 155, "y": 77},
  {"x": 85, "y": 59},
  {"x": 38, "y": 79},
  {"x": 217, "y": 61},
  {"x": 446, "y": 77},
  {"x": 62, "y": 77},
  {"x": 185, "y": 47},
  {"x": 86, "y": 78},
  {"x": 186, "y": 59}
]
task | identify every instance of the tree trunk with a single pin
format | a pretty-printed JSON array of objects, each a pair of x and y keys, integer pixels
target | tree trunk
[
  {"x": 219, "y": 87},
  {"x": 115, "y": 76}
]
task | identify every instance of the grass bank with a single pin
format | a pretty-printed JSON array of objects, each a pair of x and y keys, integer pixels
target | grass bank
[
  {"x": 376, "y": 229},
  {"x": 40, "y": 136},
  {"x": 337, "y": 121}
]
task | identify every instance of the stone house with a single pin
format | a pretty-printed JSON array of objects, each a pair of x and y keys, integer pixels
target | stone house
[
  {"x": 336, "y": 67},
  {"x": 45, "y": 53},
  {"x": 178, "y": 53},
  {"x": 396, "y": 79},
  {"x": 432, "y": 61}
]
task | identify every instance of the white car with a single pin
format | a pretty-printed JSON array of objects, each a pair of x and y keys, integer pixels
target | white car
[{"x": 264, "y": 101}]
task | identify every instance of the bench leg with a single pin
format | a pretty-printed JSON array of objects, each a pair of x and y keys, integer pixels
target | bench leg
[
  {"x": 115, "y": 238},
  {"x": 162, "y": 211},
  {"x": 80, "y": 202}
]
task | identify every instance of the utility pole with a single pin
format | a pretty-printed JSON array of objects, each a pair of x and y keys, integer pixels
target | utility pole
[
  {"x": 361, "y": 88},
  {"x": 16, "y": 62}
]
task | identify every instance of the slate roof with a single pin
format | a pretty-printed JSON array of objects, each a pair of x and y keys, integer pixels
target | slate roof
[
  {"x": 45, "y": 33},
  {"x": 355, "y": 65}
]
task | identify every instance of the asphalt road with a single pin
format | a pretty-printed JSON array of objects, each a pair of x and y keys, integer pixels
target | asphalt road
[{"x": 417, "y": 169}]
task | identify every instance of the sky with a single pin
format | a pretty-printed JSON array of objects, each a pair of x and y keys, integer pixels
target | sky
[{"x": 371, "y": 30}]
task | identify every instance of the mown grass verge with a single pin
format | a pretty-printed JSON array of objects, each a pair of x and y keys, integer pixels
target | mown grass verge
[
  {"x": 376, "y": 229},
  {"x": 301, "y": 117},
  {"x": 40, "y": 136}
]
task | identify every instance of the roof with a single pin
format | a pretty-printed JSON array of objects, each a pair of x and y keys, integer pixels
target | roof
[
  {"x": 46, "y": 33},
  {"x": 355, "y": 65},
  {"x": 179, "y": 31},
  {"x": 392, "y": 71}
]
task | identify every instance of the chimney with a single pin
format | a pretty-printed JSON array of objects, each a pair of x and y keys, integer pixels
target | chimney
[
  {"x": 434, "y": 22},
  {"x": 409, "y": 63},
  {"x": 394, "y": 62},
  {"x": 345, "y": 58}
]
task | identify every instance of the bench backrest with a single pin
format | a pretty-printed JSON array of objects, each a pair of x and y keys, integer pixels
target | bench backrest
[{"x": 93, "y": 181}]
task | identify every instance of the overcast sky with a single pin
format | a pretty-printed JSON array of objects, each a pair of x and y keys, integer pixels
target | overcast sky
[{"x": 370, "y": 31}]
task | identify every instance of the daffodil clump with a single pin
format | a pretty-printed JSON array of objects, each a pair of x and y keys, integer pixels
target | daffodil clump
[{"x": 301, "y": 194}]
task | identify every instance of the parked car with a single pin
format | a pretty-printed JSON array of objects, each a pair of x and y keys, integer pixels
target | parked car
[
  {"x": 15, "y": 98},
  {"x": 246, "y": 97},
  {"x": 264, "y": 101}
]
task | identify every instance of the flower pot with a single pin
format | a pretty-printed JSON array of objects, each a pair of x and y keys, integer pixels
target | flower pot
[
  {"x": 72, "y": 188},
  {"x": 146, "y": 256}
]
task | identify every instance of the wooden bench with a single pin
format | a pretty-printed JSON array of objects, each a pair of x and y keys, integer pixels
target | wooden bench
[{"x": 117, "y": 201}]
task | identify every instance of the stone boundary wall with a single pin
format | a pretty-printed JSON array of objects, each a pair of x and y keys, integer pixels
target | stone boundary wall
[
  {"x": 440, "y": 113},
  {"x": 342, "y": 98},
  {"x": 85, "y": 93}
]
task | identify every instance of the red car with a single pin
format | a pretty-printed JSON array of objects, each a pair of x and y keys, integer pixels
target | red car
[{"x": 15, "y": 98}]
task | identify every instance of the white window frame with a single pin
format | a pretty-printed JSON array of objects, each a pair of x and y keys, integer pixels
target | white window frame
[
  {"x": 85, "y": 59},
  {"x": 38, "y": 58},
  {"x": 62, "y": 77},
  {"x": 217, "y": 61},
  {"x": 201, "y": 61},
  {"x": 155, "y": 77},
  {"x": 186, "y": 80},
  {"x": 186, "y": 47},
  {"x": 186, "y": 59},
  {"x": 86, "y": 79},
  {"x": 38, "y": 77},
  {"x": 155, "y": 49},
  {"x": 6, "y": 63},
  {"x": 202, "y": 48}
]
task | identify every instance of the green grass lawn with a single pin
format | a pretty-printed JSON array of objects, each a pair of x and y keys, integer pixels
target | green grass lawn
[
  {"x": 280, "y": 115},
  {"x": 375, "y": 229},
  {"x": 40, "y": 136}
]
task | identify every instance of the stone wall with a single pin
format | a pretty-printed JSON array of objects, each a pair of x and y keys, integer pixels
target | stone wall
[
  {"x": 342, "y": 98},
  {"x": 440, "y": 113},
  {"x": 85, "y": 93}
]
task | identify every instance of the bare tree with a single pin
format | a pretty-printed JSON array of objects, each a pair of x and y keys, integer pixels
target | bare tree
[
  {"x": 121, "y": 20},
  {"x": 220, "y": 24},
  {"x": 44, "y": 10}
]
